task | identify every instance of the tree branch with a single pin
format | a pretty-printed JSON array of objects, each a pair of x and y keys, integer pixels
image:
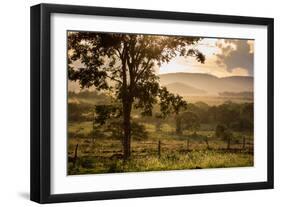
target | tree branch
[
  {"x": 112, "y": 78},
  {"x": 143, "y": 70}
]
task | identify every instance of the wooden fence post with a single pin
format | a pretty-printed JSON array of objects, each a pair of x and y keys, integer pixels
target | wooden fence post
[
  {"x": 159, "y": 148},
  {"x": 244, "y": 143},
  {"x": 75, "y": 156},
  {"x": 228, "y": 143}
]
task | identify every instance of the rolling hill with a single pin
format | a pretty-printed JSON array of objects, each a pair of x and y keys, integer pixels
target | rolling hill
[
  {"x": 199, "y": 84},
  {"x": 184, "y": 89}
]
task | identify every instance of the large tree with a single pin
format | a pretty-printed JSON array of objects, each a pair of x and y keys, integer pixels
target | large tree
[{"x": 124, "y": 64}]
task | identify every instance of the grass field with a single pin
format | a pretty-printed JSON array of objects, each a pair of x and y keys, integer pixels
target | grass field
[{"x": 174, "y": 152}]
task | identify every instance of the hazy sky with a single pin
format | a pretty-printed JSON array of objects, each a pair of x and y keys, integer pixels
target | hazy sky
[{"x": 224, "y": 57}]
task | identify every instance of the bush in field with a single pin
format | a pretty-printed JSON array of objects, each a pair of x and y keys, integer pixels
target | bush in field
[
  {"x": 80, "y": 112},
  {"x": 228, "y": 113},
  {"x": 246, "y": 119},
  {"x": 234, "y": 116},
  {"x": 81, "y": 105},
  {"x": 115, "y": 128},
  {"x": 97, "y": 132},
  {"x": 138, "y": 130},
  {"x": 172, "y": 104},
  {"x": 242, "y": 125},
  {"x": 105, "y": 113},
  {"x": 106, "y": 119},
  {"x": 109, "y": 119},
  {"x": 224, "y": 133},
  {"x": 158, "y": 120},
  {"x": 200, "y": 109},
  {"x": 220, "y": 130},
  {"x": 228, "y": 135},
  {"x": 187, "y": 121},
  {"x": 238, "y": 117}
]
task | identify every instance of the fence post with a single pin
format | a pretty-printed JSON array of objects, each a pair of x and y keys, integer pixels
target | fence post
[
  {"x": 159, "y": 148},
  {"x": 244, "y": 143},
  {"x": 187, "y": 144},
  {"x": 228, "y": 143},
  {"x": 75, "y": 155}
]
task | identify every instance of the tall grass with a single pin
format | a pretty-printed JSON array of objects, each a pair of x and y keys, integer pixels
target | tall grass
[
  {"x": 102, "y": 155},
  {"x": 175, "y": 161}
]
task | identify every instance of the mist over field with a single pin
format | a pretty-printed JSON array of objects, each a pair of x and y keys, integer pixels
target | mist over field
[
  {"x": 196, "y": 87},
  {"x": 205, "y": 84}
]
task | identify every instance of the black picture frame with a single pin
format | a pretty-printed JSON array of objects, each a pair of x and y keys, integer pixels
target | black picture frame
[{"x": 41, "y": 96}]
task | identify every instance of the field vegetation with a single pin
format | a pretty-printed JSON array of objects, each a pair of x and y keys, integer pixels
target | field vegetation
[{"x": 212, "y": 136}]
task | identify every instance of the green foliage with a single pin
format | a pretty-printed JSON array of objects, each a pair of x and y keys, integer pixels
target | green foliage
[
  {"x": 81, "y": 105},
  {"x": 139, "y": 131},
  {"x": 190, "y": 121},
  {"x": 105, "y": 112},
  {"x": 207, "y": 116},
  {"x": 223, "y": 132},
  {"x": 220, "y": 130},
  {"x": 234, "y": 116},
  {"x": 146, "y": 91},
  {"x": 79, "y": 112},
  {"x": 111, "y": 117},
  {"x": 170, "y": 103}
]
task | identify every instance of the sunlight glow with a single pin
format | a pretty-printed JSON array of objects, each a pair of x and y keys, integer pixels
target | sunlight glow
[{"x": 209, "y": 47}]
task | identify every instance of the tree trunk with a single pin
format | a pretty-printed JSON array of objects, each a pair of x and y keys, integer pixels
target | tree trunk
[{"x": 127, "y": 107}]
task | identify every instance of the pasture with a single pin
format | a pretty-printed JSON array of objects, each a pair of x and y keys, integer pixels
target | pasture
[{"x": 161, "y": 150}]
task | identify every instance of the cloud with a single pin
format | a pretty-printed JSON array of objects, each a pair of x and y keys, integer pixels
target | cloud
[
  {"x": 236, "y": 54},
  {"x": 180, "y": 64}
]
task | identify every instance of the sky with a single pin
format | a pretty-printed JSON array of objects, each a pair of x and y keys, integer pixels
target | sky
[{"x": 224, "y": 57}]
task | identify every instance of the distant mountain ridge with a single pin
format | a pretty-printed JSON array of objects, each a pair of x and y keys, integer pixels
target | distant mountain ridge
[
  {"x": 198, "y": 83},
  {"x": 184, "y": 89}
]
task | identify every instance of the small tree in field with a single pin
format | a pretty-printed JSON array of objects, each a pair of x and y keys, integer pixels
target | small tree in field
[
  {"x": 178, "y": 105},
  {"x": 220, "y": 130},
  {"x": 190, "y": 121},
  {"x": 170, "y": 103},
  {"x": 124, "y": 65},
  {"x": 224, "y": 133}
]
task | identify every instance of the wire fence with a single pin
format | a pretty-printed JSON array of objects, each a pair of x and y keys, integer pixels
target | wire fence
[{"x": 160, "y": 147}]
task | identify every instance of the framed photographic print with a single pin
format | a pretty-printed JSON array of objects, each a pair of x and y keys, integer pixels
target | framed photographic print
[{"x": 133, "y": 103}]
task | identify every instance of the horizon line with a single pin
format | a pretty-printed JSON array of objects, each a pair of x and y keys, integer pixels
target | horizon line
[{"x": 209, "y": 74}]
